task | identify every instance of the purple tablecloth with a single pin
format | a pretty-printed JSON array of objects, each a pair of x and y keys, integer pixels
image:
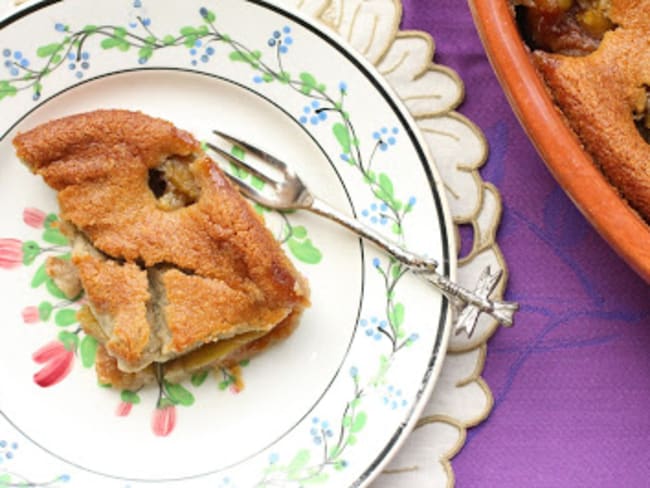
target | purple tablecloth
[{"x": 571, "y": 381}]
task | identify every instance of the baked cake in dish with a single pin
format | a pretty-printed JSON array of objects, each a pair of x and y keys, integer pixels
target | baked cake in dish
[
  {"x": 594, "y": 56},
  {"x": 177, "y": 268}
]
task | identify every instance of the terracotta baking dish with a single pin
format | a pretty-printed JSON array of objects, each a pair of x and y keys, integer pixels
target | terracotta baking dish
[{"x": 627, "y": 233}]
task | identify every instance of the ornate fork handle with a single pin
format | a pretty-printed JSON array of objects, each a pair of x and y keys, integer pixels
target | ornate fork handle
[
  {"x": 407, "y": 258},
  {"x": 289, "y": 192},
  {"x": 468, "y": 304}
]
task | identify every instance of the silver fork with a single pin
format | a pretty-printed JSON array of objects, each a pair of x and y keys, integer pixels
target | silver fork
[{"x": 288, "y": 192}]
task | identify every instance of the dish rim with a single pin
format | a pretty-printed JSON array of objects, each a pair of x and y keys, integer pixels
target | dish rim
[{"x": 612, "y": 217}]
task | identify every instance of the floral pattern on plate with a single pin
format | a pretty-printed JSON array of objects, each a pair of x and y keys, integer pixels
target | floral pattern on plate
[{"x": 347, "y": 420}]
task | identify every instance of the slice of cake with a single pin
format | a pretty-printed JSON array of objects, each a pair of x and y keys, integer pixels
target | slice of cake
[{"x": 176, "y": 266}]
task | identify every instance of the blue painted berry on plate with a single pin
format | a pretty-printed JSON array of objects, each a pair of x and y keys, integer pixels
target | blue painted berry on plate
[
  {"x": 376, "y": 213},
  {"x": 281, "y": 42},
  {"x": 312, "y": 114},
  {"x": 372, "y": 328},
  {"x": 385, "y": 138},
  {"x": 393, "y": 398}
]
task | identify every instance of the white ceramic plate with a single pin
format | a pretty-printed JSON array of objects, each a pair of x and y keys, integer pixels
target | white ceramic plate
[{"x": 332, "y": 403}]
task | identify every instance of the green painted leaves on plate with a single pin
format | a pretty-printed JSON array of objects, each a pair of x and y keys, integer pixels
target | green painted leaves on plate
[
  {"x": 50, "y": 221},
  {"x": 241, "y": 173},
  {"x": 117, "y": 40},
  {"x": 7, "y": 89},
  {"x": 65, "y": 317},
  {"x": 39, "y": 277},
  {"x": 251, "y": 57},
  {"x": 131, "y": 397},
  {"x": 54, "y": 290},
  {"x": 192, "y": 34},
  {"x": 45, "y": 311},
  {"x": 299, "y": 232},
  {"x": 396, "y": 317},
  {"x": 199, "y": 378},
  {"x": 69, "y": 339},
  {"x": 302, "y": 247},
  {"x": 31, "y": 250},
  {"x": 54, "y": 236},
  {"x": 386, "y": 190},
  {"x": 298, "y": 463},
  {"x": 309, "y": 84},
  {"x": 342, "y": 135},
  {"x": 305, "y": 251},
  {"x": 88, "y": 350},
  {"x": 359, "y": 422},
  {"x": 145, "y": 53},
  {"x": 49, "y": 50},
  {"x": 178, "y": 394}
]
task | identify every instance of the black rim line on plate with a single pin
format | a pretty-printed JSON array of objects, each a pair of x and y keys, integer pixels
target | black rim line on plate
[
  {"x": 424, "y": 161},
  {"x": 26, "y": 11},
  {"x": 361, "y": 291}
]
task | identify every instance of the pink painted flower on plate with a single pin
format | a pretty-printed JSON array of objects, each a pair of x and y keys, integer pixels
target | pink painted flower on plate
[
  {"x": 34, "y": 217},
  {"x": 58, "y": 363},
  {"x": 163, "y": 420},
  {"x": 11, "y": 253},
  {"x": 123, "y": 409},
  {"x": 30, "y": 315}
]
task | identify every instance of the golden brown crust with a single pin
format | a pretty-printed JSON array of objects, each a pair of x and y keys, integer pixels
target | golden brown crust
[
  {"x": 110, "y": 375},
  {"x": 212, "y": 269},
  {"x": 65, "y": 276},
  {"x": 103, "y": 190},
  {"x": 230, "y": 311},
  {"x": 630, "y": 14},
  {"x": 74, "y": 148},
  {"x": 599, "y": 94},
  {"x": 121, "y": 292}
]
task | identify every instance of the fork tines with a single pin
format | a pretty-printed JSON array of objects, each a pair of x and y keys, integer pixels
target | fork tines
[
  {"x": 241, "y": 164},
  {"x": 272, "y": 161}
]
